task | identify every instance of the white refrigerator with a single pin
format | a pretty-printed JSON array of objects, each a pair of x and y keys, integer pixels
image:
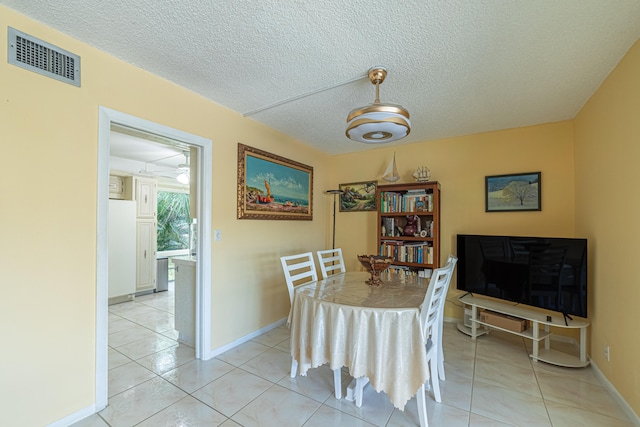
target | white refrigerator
[{"x": 122, "y": 248}]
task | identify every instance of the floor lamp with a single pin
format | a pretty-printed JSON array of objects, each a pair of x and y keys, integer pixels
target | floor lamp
[{"x": 335, "y": 193}]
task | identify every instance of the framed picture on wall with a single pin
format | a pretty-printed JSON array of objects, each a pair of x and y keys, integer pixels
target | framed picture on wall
[
  {"x": 358, "y": 196},
  {"x": 515, "y": 192},
  {"x": 273, "y": 187}
]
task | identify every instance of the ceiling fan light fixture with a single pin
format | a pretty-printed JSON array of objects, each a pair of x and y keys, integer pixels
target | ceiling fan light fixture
[
  {"x": 183, "y": 178},
  {"x": 184, "y": 168},
  {"x": 378, "y": 122}
]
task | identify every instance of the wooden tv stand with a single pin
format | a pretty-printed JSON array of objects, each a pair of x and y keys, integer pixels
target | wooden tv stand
[{"x": 534, "y": 333}]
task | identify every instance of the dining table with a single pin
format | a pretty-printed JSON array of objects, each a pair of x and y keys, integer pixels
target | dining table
[{"x": 374, "y": 331}]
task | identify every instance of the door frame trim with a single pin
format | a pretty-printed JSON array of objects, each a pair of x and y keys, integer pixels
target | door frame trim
[{"x": 204, "y": 208}]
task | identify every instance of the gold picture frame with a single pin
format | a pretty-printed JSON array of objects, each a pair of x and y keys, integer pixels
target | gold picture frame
[{"x": 272, "y": 187}]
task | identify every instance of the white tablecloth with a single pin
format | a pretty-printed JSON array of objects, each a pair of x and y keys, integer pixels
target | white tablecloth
[{"x": 375, "y": 332}]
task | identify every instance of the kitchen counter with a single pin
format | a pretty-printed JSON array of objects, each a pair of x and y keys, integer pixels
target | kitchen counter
[
  {"x": 185, "y": 299},
  {"x": 184, "y": 259}
]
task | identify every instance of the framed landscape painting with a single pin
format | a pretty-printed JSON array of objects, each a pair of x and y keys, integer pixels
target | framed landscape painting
[
  {"x": 358, "y": 196},
  {"x": 515, "y": 192},
  {"x": 273, "y": 187}
]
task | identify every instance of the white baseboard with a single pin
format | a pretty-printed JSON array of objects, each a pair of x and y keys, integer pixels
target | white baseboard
[
  {"x": 121, "y": 299},
  {"x": 617, "y": 396},
  {"x": 75, "y": 417},
  {"x": 215, "y": 352}
]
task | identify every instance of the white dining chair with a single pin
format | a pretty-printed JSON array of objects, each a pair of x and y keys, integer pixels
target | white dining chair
[
  {"x": 450, "y": 260},
  {"x": 429, "y": 320},
  {"x": 331, "y": 262},
  {"x": 298, "y": 270}
]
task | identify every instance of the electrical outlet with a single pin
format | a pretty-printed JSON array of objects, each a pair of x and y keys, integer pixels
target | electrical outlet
[{"x": 607, "y": 354}]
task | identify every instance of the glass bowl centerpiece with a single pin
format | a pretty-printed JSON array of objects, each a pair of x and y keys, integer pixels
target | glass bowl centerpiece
[{"x": 375, "y": 264}]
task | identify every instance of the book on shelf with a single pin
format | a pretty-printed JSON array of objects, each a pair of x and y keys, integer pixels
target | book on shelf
[
  {"x": 411, "y": 197},
  {"x": 410, "y": 271},
  {"x": 390, "y": 248},
  {"x": 425, "y": 272},
  {"x": 388, "y": 227},
  {"x": 402, "y": 270},
  {"x": 424, "y": 203},
  {"x": 389, "y": 201},
  {"x": 410, "y": 201},
  {"x": 392, "y": 242},
  {"x": 407, "y": 251}
]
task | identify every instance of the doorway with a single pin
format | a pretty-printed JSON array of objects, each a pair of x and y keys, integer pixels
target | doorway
[{"x": 202, "y": 179}]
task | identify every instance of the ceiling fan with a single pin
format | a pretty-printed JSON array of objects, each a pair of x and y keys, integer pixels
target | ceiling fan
[
  {"x": 181, "y": 172},
  {"x": 377, "y": 122}
]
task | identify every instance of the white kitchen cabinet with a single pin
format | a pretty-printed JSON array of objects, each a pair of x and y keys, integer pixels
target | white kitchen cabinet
[
  {"x": 185, "y": 299},
  {"x": 146, "y": 197},
  {"x": 146, "y": 244},
  {"x": 145, "y": 255},
  {"x": 120, "y": 187},
  {"x": 116, "y": 187}
]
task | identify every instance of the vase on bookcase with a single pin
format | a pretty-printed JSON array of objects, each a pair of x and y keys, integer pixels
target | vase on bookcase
[{"x": 411, "y": 228}]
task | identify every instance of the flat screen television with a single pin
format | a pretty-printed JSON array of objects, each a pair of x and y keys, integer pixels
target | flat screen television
[{"x": 549, "y": 273}]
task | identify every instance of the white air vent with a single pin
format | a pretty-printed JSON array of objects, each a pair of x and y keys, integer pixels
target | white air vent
[{"x": 43, "y": 58}]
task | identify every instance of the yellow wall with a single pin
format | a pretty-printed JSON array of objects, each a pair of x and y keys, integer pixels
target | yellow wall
[
  {"x": 460, "y": 165},
  {"x": 48, "y": 138},
  {"x": 48, "y": 141},
  {"x": 607, "y": 145}
]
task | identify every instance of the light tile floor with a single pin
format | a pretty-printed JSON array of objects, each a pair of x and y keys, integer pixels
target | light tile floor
[{"x": 154, "y": 381}]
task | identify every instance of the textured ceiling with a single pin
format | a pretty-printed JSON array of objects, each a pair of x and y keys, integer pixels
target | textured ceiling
[{"x": 459, "y": 67}]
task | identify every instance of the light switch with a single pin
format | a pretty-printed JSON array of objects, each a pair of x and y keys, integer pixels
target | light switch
[{"x": 217, "y": 235}]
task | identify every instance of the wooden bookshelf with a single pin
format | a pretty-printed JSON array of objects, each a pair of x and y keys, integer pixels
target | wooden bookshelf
[{"x": 414, "y": 249}]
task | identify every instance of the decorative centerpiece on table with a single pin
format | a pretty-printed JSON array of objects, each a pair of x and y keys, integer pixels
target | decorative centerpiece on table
[{"x": 375, "y": 264}]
